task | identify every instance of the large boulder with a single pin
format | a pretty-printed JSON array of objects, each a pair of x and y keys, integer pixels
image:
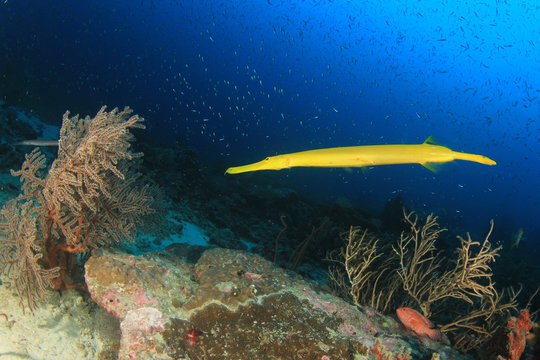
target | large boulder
[{"x": 235, "y": 305}]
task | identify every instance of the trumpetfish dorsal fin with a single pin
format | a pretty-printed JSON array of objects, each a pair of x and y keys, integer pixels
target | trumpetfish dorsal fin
[{"x": 430, "y": 141}]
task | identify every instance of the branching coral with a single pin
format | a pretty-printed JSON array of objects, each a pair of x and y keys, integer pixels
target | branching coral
[
  {"x": 364, "y": 272},
  {"x": 20, "y": 253},
  {"x": 414, "y": 272},
  {"x": 91, "y": 195},
  {"x": 422, "y": 269},
  {"x": 431, "y": 280}
]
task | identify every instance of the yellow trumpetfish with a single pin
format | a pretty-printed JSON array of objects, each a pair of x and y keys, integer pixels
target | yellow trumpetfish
[{"x": 425, "y": 154}]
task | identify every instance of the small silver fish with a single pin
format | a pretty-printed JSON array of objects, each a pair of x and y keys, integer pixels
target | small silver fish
[{"x": 37, "y": 142}]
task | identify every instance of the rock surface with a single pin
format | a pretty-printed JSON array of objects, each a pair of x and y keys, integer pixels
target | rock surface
[{"x": 235, "y": 305}]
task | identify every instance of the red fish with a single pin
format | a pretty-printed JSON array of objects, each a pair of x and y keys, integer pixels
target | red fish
[{"x": 418, "y": 323}]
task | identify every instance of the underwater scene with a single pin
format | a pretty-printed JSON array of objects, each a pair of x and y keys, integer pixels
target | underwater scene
[{"x": 269, "y": 179}]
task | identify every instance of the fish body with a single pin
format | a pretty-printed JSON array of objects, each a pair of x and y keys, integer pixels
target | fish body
[
  {"x": 418, "y": 323},
  {"x": 37, "y": 142},
  {"x": 516, "y": 240},
  {"x": 425, "y": 154}
]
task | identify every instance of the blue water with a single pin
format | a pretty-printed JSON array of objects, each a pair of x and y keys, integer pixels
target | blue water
[{"x": 242, "y": 80}]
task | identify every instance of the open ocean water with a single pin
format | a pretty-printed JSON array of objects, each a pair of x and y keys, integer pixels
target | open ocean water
[{"x": 239, "y": 81}]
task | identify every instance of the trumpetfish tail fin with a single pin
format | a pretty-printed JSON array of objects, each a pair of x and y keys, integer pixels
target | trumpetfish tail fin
[{"x": 457, "y": 156}]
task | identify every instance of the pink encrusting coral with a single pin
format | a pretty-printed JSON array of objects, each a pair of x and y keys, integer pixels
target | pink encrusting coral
[
  {"x": 138, "y": 330},
  {"x": 517, "y": 329},
  {"x": 112, "y": 304},
  {"x": 140, "y": 298},
  {"x": 510, "y": 340},
  {"x": 381, "y": 354}
]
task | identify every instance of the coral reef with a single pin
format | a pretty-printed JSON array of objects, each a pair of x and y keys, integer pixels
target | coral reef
[
  {"x": 181, "y": 303},
  {"x": 413, "y": 272},
  {"x": 234, "y": 302},
  {"x": 90, "y": 196}
]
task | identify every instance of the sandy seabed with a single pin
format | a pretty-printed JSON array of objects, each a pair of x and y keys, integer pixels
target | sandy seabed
[{"x": 68, "y": 325}]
